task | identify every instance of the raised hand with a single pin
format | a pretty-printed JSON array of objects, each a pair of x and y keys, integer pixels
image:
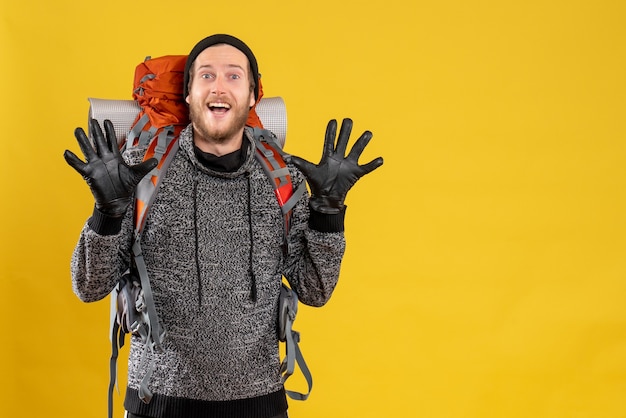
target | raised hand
[
  {"x": 111, "y": 180},
  {"x": 335, "y": 174}
]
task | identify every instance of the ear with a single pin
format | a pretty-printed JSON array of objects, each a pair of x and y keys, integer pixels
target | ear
[
  {"x": 252, "y": 99},
  {"x": 187, "y": 99}
]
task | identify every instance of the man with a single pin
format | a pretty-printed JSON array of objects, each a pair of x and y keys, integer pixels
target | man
[{"x": 213, "y": 244}]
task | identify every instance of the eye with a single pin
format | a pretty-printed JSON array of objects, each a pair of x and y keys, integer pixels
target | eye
[
  {"x": 235, "y": 76},
  {"x": 206, "y": 76}
]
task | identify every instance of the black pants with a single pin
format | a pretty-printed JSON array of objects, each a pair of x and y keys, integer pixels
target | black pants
[{"x": 140, "y": 416}]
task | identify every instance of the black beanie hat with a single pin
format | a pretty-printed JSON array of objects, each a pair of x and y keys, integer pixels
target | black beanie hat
[{"x": 222, "y": 39}]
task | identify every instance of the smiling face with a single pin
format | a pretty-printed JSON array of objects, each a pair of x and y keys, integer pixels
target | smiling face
[{"x": 220, "y": 97}]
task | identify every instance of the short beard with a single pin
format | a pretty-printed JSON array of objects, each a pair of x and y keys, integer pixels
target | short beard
[{"x": 216, "y": 137}]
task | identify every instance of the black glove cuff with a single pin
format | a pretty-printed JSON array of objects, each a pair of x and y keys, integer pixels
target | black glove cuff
[
  {"x": 105, "y": 224},
  {"x": 324, "y": 222}
]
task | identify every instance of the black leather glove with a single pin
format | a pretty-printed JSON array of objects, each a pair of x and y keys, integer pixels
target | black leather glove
[
  {"x": 111, "y": 180},
  {"x": 335, "y": 174}
]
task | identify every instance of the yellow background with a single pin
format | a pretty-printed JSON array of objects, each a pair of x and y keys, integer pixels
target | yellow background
[{"x": 485, "y": 274}]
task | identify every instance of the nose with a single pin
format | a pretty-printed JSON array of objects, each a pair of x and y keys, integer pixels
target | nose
[{"x": 217, "y": 87}]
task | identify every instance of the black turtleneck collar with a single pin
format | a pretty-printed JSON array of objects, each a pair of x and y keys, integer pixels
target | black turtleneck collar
[{"x": 226, "y": 163}]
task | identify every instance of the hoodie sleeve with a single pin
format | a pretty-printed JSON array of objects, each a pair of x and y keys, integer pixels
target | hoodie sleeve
[
  {"x": 316, "y": 249},
  {"x": 102, "y": 253},
  {"x": 99, "y": 261}
]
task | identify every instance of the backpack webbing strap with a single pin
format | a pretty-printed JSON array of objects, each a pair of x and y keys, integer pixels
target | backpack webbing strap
[
  {"x": 117, "y": 336},
  {"x": 295, "y": 339},
  {"x": 268, "y": 154},
  {"x": 155, "y": 332},
  {"x": 118, "y": 332},
  {"x": 165, "y": 145},
  {"x": 137, "y": 131},
  {"x": 288, "y": 308},
  {"x": 150, "y": 332},
  {"x": 113, "y": 362}
]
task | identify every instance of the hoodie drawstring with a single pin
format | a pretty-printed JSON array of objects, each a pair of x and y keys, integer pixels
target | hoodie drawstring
[
  {"x": 195, "y": 229},
  {"x": 253, "y": 289}
]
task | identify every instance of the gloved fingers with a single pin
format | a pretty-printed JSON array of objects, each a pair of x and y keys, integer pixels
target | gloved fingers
[
  {"x": 111, "y": 138},
  {"x": 344, "y": 136},
  {"x": 359, "y": 146},
  {"x": 145, "y": 167},
  {"x": 357, "y": 150},
  {"x": 75, "y": 162},
  {"x": 329, "y": 140},
  {"x": 101, "y": 143},
  {"x": 85, "y": 144},
  {"x": 371, "y": 166}
]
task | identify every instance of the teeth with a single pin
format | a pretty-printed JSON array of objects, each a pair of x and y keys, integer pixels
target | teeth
[{"x": 221, "y": 105}]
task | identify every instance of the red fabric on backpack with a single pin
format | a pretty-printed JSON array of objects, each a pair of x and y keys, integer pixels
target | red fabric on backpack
[{"x": 158, "y": 89}]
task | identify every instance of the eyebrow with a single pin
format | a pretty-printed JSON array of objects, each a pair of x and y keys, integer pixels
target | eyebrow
[{"x": 227, "y": 65}]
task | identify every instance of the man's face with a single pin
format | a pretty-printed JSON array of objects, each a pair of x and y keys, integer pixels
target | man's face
[{"x": 220, "y": 94}]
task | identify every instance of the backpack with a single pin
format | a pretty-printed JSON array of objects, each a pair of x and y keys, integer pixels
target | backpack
[{"x": 163, "y": 114}]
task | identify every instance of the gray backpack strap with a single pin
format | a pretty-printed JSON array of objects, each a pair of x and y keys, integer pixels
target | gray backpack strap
[
  {"x": 154, "y": 333},
  {"x": 287, "y": 310},
  {"x": 115, "y": 344},
  {"x": 151, "y": 331},
  {"x": 135, "y": 131},
  {"x": 270, "y": 156},
  {"x": 135, "y": 312},
  {"x": 297, "y": 194}
]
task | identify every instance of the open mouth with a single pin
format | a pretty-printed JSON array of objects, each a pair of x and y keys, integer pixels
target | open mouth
[{"x": 218, "y": 107}]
